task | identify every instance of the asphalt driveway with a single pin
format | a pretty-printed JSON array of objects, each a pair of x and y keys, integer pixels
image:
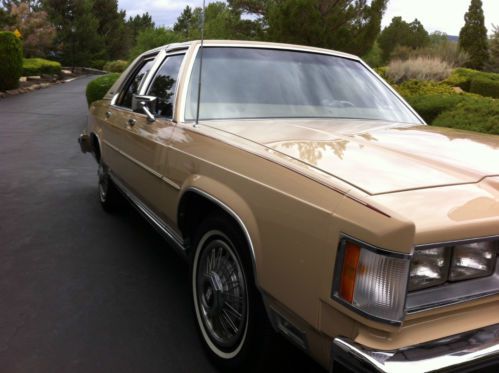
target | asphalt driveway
[{"x": 81, "y": 290}]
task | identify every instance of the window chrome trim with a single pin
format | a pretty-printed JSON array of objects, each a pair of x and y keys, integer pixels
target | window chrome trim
[
  {"x": 174, "y": 52},
  {"x": 140, "y": 60},
  {"x": 158, "y": 60},
  {"x": 283, "y": 47}
]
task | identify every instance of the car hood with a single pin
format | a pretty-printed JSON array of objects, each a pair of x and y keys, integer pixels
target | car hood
[{"x": 374, "y": 156}]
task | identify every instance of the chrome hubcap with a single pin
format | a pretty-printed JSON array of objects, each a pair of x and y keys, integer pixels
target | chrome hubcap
[
  {"x": 222, "y": 294},
  {"x": 103, "y": 183}
]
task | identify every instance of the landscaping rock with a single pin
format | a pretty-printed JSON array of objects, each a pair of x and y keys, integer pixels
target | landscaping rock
[
  {"x": 34, "y": 77},
  {"x": 23, "y": 79}
]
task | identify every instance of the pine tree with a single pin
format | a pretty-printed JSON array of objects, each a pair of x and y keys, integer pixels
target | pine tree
[
  {"x": 473, "y": 36},
  {"x": 78, "y": 37},
  {"x": 493, "y": 64},
  {"x": 402, "y": 34},
  {"x": 347, "y": 25}
]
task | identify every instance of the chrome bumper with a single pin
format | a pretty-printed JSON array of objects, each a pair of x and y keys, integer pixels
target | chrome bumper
[
  {"x": 464, "y": 352},
  {"x": 84, "y": 141}
]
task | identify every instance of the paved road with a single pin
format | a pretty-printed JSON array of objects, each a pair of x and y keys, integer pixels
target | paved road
[{"x": 81, "y": 290}]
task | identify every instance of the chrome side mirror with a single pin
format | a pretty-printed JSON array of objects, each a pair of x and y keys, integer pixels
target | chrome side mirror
[{"x": 146, "y": 105}]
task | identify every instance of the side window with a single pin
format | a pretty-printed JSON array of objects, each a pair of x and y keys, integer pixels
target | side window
[
  {"x": 134, "y": 83},
  {"x": 164, "y": 84}
]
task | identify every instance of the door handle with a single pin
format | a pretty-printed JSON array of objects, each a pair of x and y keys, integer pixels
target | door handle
[
  {"x": 108, "y": 114},
  {"x": 131, "y": 122}
]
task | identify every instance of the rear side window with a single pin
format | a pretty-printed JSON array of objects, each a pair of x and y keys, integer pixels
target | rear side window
[
  {"x": 164, "y": 85},
  {"x": 134, "y": 83}
]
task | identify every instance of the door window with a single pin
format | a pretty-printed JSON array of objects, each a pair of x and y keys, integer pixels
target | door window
[
  {"x": 134, "y": 83},
  {"x": 164, "y": 85}
]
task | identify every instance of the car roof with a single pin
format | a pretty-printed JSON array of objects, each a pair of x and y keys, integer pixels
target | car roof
[{"x": 254, "y": 44}]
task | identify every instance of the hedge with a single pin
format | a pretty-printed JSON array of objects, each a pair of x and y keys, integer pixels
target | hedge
[
  {"x": 98, "y": 87},
  {"x": 473, "y": 114},
  {"x": 39, "y": 66},
  {"x": 482, "y": 83},
  {"x": 485, "y": 87},
  {"x": 11, "y": 50},
  {"x": 117, "y": 66},
  {"x": 440, "y": 105},
  {"x": 430, "y": 107}
]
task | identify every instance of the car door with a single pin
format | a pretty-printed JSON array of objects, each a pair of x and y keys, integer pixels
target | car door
[
  {"x": 151, "y": 139},
  {"x": 119, "y": 134}
]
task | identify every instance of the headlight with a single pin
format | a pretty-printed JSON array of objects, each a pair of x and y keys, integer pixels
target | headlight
[
  {"x": 473, "y": 260},
  {"x": 435, "y": 266},
  {"x": 372, "y": 281},
  {"x": 429, "y": 267}
]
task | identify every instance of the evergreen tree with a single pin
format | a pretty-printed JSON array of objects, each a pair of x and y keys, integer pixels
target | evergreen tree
[
  {"x": 184, "y": 22},
  {"x": 493, "y": 64},
  {"x": 221, "y": 22},
  {"x": 137, "y": 24},
  {"x": 111, "y": 26},
  {"x": 347, "y": 25},
  {"x": 473, "y": 36},
  {"x": 402, "y": 34},
  {"x": 78, "y": 37}
]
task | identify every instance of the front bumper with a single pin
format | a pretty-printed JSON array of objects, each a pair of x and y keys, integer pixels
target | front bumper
[
  {"x": 464, "y": 352},
  {"x": 84, "y": 141}
]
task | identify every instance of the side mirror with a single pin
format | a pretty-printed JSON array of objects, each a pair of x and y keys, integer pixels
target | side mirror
[{"x": 145, "y": 105}]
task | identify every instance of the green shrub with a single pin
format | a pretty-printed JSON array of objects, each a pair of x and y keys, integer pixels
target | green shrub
[
  {"x": 474, "y": 114},
  {"x": 11, "y": 50},
  {"x": 431, "y": 106},
  {"x": 98, "y": 64},
  {"x": 39, "y": 66},
  {"x": 485, "y": 87},
  {"x": 98, "y": 87},
  {"x": 463, "y": 78},
  {"x": 117, "y": 66},
  {"x": 423, "y": 88}
]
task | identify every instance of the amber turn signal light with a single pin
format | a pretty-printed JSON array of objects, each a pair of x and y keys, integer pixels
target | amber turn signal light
[{"x": 349, "y": 272}]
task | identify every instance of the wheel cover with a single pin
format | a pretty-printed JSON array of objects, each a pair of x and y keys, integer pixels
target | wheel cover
[
  {"x": 103, "y": 183},
  {"x": 221, "y": 297}
]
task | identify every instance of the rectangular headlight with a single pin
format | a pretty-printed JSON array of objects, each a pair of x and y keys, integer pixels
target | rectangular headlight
[
  {"x": 371, "y": 280},
  {"x": 473, "y": 260},
  {"x": 429, "y": 267},
  {"x": 435, "y": 266}
]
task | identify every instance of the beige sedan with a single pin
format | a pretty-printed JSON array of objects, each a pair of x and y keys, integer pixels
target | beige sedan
[{"x": 311, "y": 200}]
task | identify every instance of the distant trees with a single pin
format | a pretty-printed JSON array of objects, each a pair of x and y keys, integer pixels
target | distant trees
[
  {"x": 473, "y": 36},
  {"x": 37, "y": 32},
  {"x": 137, "y": 24},
  {"x": 402, "y": 34},
  {"x": 347, "y": 25},
  {"x": 493, "y": 64}
]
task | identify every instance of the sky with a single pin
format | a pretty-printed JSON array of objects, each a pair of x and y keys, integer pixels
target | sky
[{"x": 435, "y": 15}]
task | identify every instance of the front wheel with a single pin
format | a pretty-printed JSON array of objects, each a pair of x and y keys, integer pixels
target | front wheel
[
  {"x": 109, "y": 195},
  {"x": 229, "y": 312}
]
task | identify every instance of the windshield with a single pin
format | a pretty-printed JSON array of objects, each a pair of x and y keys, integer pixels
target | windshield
[{"x": 252, "y": 83}]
